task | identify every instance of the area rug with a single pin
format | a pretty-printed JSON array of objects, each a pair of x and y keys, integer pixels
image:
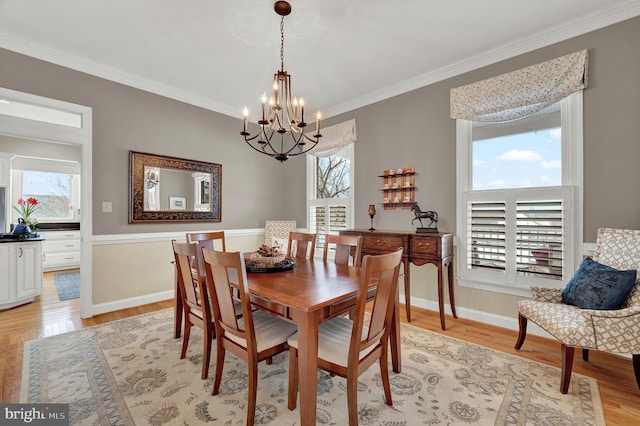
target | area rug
[
  {"x": 67, "y": 284},
  {"x": 128, "y": 372}
]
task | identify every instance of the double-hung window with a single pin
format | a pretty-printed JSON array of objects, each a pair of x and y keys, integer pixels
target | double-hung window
[
  {"x": 330, "y": 177},
  {"x": 330, "y": 204},
  {"x": 519, "y": 197}
]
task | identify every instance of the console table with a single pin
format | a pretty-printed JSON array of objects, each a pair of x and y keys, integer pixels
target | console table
[{"x": 420, "y": 249}]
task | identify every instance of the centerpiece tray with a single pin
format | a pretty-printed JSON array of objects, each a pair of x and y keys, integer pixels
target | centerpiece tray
[{"x": 256, "y": 266}]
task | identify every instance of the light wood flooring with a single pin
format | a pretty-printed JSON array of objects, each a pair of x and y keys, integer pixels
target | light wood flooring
[{"x": 48, "y": 316}]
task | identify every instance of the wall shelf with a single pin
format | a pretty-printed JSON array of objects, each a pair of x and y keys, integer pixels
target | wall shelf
[{"x": 398, "y": 188}]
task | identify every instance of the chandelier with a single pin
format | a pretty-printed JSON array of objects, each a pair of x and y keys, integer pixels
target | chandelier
[{"x": 281, "y": 128}]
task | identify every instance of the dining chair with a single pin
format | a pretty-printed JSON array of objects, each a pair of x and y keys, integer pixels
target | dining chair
[
  {"x": 344, "y": 246},
  {"x": 347, "y": 347},
  {"x": 254, "y": 337},
  {"x": 195, "y": 299},
  {"x": 211, "y": 239},
  {"x": 208, "y": 239},
  {"x": 301, "y": 245}
]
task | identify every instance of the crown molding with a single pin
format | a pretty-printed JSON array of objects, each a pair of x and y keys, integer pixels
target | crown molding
[
  {"x": 599, "y": 19},
  {"x": 602, "y": 18}
]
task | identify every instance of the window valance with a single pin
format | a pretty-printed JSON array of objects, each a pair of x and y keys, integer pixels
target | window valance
[
  {"x": 522, "y": 92},
  {"x": 334, "y": 138}
]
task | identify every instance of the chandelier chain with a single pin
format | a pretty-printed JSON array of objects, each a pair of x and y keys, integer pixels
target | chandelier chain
[{"x": 282, "y": 43}]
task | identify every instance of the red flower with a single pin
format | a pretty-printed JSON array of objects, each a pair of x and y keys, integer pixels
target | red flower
[{"x": 26, "y": 207}]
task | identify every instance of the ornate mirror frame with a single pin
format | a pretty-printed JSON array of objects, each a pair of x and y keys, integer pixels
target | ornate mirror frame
[{"x": 137, "y": 213}]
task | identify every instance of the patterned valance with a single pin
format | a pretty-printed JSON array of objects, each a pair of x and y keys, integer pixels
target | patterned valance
[
  {"x": 520, "y": 93},
  {"x": 334, "y": 138}
]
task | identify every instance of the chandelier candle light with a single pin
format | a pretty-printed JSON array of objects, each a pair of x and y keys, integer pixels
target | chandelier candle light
[{"x": 285, "y": 115}]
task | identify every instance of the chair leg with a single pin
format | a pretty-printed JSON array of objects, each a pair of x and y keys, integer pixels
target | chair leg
[
  {"x": 636, "y": 368},
  {"x": 567, "y": 364},
  {"x": 219, "y": 367},
  {"x": 585, "y": 354},
  {"x": 352, "y": 398},
  {"x": 384, "y": 374},
  {"x": 252, "y": 392},
  {"x": 185, "y": 338},
  {"x": 522, "y": 333},
  {"x": 206, "y": 357},
  {"x": 293, "y": 378}
]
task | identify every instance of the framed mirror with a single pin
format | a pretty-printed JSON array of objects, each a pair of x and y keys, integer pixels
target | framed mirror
[{"x": 169, "y": 189}]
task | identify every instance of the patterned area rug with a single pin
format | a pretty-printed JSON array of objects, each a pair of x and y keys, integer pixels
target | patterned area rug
[
  {"x": 128, "y": 372},
  {"x": 67, "y": 284}
]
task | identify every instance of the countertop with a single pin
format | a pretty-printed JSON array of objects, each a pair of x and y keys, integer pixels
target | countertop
[{"x": 5, "y": 239}]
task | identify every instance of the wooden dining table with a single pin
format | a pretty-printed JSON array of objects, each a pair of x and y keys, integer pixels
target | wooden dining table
[{"x": 310, "y": 293}]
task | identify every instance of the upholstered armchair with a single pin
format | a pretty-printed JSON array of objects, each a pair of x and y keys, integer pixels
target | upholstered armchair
[{"x": 616, "y": 330}]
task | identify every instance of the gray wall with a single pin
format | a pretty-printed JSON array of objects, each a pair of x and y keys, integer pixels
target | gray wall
[
  {"x": 130, "y": 119},
  {"x": 413, "y": 129}
]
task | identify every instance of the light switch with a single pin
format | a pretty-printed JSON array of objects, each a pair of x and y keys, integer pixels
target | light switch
[{"x": 106, "y": 207}]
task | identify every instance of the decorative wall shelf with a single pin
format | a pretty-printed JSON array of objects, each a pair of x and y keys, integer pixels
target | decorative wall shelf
[{"x": 398, "y": 188}]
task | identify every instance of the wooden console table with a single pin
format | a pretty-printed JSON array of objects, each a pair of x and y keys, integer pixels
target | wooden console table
[{"x": 420, "y": 249}]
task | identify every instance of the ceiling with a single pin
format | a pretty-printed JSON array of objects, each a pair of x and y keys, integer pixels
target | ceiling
[{"x": 221, "y": 55}]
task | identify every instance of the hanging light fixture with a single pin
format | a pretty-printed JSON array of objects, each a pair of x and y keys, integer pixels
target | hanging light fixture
[{"x": 281, "y": 128}]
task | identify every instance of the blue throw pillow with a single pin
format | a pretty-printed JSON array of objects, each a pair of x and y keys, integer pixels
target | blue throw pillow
[{"x": 598, "y": 286}]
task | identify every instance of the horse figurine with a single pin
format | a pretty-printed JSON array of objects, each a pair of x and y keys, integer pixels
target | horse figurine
[{"x": 431, "y": 215}]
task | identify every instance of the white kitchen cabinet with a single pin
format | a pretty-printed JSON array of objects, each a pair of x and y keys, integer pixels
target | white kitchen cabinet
[
  {"x": 20, "y": 272},
  {"x": 61, "y": 250}
]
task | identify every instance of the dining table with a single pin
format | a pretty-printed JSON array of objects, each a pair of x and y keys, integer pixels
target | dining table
[{"x": 308, "y": 294}]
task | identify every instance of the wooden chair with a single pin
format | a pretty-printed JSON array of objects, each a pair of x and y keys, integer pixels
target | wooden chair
[
  {"x": 208, "y": 239},
  {"x": 255, "y": 337},
  {"x": 301, "y": 245},
  {"x": 604, "y": 330},
  {"x": 344, "y": 245},
  {"x": 195, "y": 299},
  {"x": 346, "y": 347}
]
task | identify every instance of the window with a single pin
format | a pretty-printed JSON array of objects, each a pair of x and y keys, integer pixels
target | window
[
  {"x": 330, "y": 189},
  {"x": 519, "y": 192},
  {"x": 56, "y": 186}
]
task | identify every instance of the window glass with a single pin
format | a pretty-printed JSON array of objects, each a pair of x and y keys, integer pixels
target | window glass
[
  {"x": 522, "y": 160},
  {"x": 54, "y": 192}
]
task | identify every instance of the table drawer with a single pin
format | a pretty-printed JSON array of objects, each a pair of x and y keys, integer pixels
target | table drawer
[
  {"x": 382, "y": 243},
  {"x": 425, "y": 246}
]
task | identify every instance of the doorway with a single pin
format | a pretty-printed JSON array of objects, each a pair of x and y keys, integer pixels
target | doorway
[{"x": 32, "y": 117}]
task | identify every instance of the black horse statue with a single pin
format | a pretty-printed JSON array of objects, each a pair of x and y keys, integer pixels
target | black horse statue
[{"x": 431, "y": 215}]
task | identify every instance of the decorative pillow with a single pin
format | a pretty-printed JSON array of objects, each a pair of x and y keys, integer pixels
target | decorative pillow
[
  {"x": 281, "y": 243},
  {"x": 598, "y": 286}
]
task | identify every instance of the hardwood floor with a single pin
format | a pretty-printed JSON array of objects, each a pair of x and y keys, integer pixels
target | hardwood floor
[{"x": 47, "y": 316}]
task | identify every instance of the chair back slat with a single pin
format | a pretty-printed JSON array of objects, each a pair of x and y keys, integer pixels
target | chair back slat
[
  {"x": 620, "y": 249},
  {"x": 345, "y": 247},
  {"x": 381, "y": 271}
]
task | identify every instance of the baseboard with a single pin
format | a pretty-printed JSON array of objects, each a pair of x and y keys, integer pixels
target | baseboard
[
  {"x": 480, "y": 316},
  {"x": 132, "y": 302}
]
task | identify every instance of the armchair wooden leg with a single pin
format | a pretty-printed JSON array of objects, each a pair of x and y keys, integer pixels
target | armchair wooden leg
[
  {"x": 293, "y": 378},
  {"x": 567, "y": 364},
  {"x": 636, "y": 368},
  {"x": 522, "y": 333}
]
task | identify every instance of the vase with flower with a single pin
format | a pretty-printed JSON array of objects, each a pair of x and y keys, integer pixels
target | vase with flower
[{"x": 25, "y": 208}]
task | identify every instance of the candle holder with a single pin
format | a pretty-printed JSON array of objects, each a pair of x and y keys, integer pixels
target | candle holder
[{"x": 372, "y": 213}]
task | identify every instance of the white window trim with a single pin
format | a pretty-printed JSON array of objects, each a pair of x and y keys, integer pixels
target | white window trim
[{"x": 571, "y": 111}]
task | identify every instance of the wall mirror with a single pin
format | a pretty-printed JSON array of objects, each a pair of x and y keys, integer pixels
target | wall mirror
[{"x": 173, "y": 189}]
